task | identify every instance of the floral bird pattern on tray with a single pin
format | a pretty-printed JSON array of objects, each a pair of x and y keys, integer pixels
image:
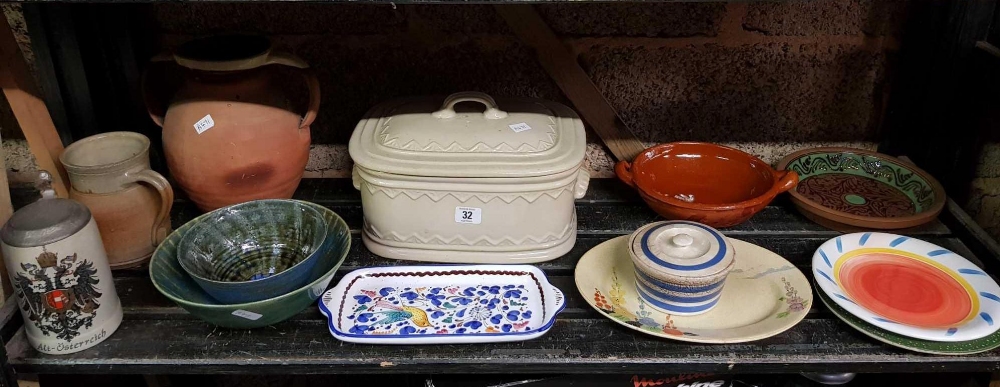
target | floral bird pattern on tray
[
  {"x": 441, "y": 310},
  {"x": 442, "y": 304}
]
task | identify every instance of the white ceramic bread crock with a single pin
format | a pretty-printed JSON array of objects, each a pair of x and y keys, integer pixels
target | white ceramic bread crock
[{"x": 487, "y": 181}]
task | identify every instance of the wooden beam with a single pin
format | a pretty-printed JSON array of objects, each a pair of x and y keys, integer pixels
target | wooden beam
[
  {"x": 30, "y": 110},
  {"x": 562, "y": 66},
  {"x": 6, "y": 210}
]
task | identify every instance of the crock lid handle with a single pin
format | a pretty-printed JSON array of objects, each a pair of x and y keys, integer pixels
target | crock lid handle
[{"x": 492, "y": 111}]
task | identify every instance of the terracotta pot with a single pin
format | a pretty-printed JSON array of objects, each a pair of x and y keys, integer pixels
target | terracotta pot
[
  {"x": 230, "y": 134},
  {"x": 707, "y": 183},
  {"x": 109, "y": 173}
]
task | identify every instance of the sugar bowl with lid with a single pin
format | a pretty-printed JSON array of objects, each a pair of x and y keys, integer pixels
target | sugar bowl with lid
[{"x": 680, "y": 266}]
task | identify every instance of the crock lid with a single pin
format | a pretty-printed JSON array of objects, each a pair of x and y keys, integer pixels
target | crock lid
[
  {"x": 434, "y": 136},
  {"x": 680, "y": 249},
  {"x": 48, "y": 220}
]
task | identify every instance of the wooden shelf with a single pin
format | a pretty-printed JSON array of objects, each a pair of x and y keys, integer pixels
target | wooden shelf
[
  {"x": 157, "y": 337},
  {"x": 387, "y": 2}
]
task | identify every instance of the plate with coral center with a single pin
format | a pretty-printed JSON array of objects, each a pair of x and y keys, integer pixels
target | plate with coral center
[
  {"x": 908, "y": 286},
  {"x": 925, "y": 346},
  {"x": 763, "y": 296}
]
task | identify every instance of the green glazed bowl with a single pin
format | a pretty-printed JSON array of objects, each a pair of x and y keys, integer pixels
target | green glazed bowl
[
  {"x": 254, "y": 250},
  {"x": 170, "y": 279},
  {"x": 845, "y": 189}
]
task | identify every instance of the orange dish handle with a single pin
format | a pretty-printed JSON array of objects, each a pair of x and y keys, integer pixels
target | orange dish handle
[
  {"x": 624, "y": 171},
  {"x": 784, "y": 181}
]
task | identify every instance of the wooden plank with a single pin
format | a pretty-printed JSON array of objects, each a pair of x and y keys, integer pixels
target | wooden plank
[
  {"x": 6, "y": 210},
  {"x": 157, "y": 337},
  {"x": 341, "y": 191},
  {"x": 608, "y": 209},
  {"x": 30, "y": 110},
  {"x": 10, "y": 317},
  {"x": 798, "y": 251},
  {"x": 572, "y": 346},
  {"x": 385, "y": 2},
  {"x": 142, "y": 300},
  {"x": 563, "y": 68},
  {"x": 978, "y": 240}
]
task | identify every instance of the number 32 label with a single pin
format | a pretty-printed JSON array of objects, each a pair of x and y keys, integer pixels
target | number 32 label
[{"x": 470, "y": 215}]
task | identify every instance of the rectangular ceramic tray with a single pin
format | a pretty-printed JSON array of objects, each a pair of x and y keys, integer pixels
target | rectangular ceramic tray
[{"x": 442, "y": 304}]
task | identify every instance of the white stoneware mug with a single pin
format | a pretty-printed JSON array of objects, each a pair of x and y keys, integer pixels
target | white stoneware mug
[{"x": 60, "y": 274}]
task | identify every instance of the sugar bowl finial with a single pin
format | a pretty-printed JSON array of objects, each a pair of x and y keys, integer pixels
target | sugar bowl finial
[
  {"x": 682, "y": 240},
  {"x": 44, "y": 185}
]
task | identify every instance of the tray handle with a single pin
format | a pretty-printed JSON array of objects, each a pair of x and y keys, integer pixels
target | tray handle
[
  {"x": 328, "y": 305},
  {"x": 555, "y": 302}
]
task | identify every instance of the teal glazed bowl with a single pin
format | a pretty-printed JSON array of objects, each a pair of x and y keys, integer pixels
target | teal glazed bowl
[
  {"x": 253, "y": 251},
  {"x": 170, "y": 279}
]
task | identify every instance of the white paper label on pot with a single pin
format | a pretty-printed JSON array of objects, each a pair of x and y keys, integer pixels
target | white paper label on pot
[
  {"x": 519, "y": 127},
  {"x": 247, "y": 314},
  {"x": 469, "y": 215},
  {"x": 205, "y": 123}
]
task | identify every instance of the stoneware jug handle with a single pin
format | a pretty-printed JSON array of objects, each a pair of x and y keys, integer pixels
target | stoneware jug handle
[
  {"x": 492, "y": 111},
  {"x": 156, "y": 107},
  {"x": 624, "y": 172},
  {"x": 290, "y": 60},
  {"x": 314, "y": 97},
  {"x": 161, "y": 225},
  {"x": 285, "y": 59}
]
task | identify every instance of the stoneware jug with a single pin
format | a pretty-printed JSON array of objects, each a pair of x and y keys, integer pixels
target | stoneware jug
[
  {"x": 60, "y": 274},
  {"x": 230, "y": 134},
  {"x": 109, "y": 173}
]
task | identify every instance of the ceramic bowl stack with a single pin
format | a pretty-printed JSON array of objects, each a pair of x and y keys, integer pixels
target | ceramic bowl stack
[
  {"x": 319, "y": 253},
  {"x": 909, "y": 293},
  {"x": 680, "y": 267},
  {"x": 255, "y": 250}
]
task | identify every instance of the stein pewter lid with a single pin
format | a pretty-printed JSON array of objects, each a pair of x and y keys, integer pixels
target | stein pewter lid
[{"x": 48, "y": 220}]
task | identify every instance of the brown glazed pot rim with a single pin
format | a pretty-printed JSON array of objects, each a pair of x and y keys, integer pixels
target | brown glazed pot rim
[
  {"x": 764, "y": 197},
  {"x": 804, "y": 204}
]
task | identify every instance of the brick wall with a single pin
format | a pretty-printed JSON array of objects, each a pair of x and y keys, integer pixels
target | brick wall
[{"x": 768, "y": 78}]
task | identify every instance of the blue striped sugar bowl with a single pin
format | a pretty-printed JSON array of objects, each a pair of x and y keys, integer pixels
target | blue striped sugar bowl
[{"x": 680, "y": 266}]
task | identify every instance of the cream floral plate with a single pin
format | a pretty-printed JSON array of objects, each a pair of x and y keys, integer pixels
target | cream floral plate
[{"x": 764, "y": 295}]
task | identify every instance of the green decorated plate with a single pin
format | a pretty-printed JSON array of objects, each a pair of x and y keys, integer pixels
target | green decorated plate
[
  {"x": 853, "y": 187},
  {"x": 926, "y": 346}
]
